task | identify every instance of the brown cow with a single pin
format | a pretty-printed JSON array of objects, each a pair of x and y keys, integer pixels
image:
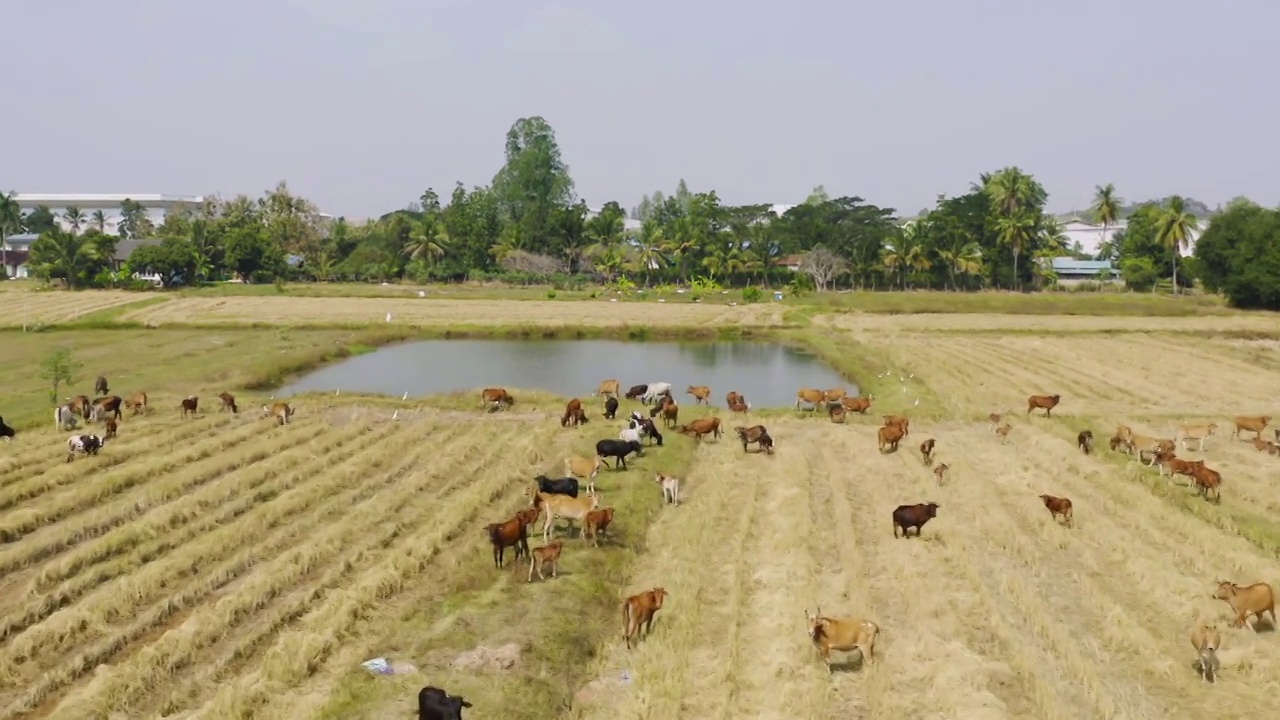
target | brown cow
[
  {"x": 1265, "y": 446},
  {"x": 736, "y": 402},
  {"x": 597, "y": 522},
  {"x": 111, "y": 429},
  {"x": 513, "y": 532},
  {"x": 940, "y": 473},
  {"x": 80, "y": 405},
  {"x": 496, "y": 398},
  {"x": 702, "y": 426},
  {"x": 913, "y": 516},
  {"x": 586, "y": 468},
  {"x": 860, "y": 404},
  {"x": 607, "y": 387},
  {"x": 138, "y": 403},
  {"x": 573, "y": 413},
  {"x": 926, "y": 451},
  {"x": 189, "y": 405},
  {"x": 108, "y": 406},
  {"x": 1172, "y": 465},
  {"x": 844, "y": 634},
  {"x": 1206, "y": 640},
  {"x": 889, "y": 435},
  {"x": 638, "y": 611},
  {"x": 833, "y": 395},
  {"x": 228, "y": 403},
  {"x": 755, "y": 434},
  {"x": 1145, "y": 446},
  {"x": 100, "y": 386},
  {"x": 900, "y": 422},
  {"x": 1253, "y": 423},
  {"x": 670, "y": 412},
  {"x": 549, "y": 553},
  {"x": 280, "y": 411},
  {"x": 1084, "y": 441},
  {"x": 810, "y": 395},
  {"x": 1058, "y": 506},
  {"x": 995, "y": 419},
  {"x": 1118, "y": 443},
  {"x": 837, "y": 413},
  {"x": 1043, "y": 402},
  {"x": 701, "y": 394},
  {"x": 1254, "y": 600},
  {"x": 1207, "y": 479}
]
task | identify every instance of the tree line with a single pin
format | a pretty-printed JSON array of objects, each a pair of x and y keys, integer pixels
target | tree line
[{"x": 528, "y": 226}]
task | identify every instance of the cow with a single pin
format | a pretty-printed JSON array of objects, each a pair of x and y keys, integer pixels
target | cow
[
  {"x": 280, "y": 411},
  {"x": 940, "y": 473},
  {"x": 1199, "y": 433},
  {"x": 513, "y": 532},
  {"x": 496, "y": 398},
  {"x": 1118, "y": 444},
  {"x": 597, "y": 522},
  {"x": 638, "y": 611},
  {"x": 737, "y": 402},
  {"x": 833, "y": 395},
  {"x": 1043, "y": 402},
  {"x": 669, "y": 410},
  {"x": 607, "y": 387},
  {"x": 649, "y": 430},
  {"x": 655, "y": 391},
  {"x": 1171, "y": 465},
  {"x": 611, "y": 408},
  {"x": 436, "y": 704},
  {"x": 900, "y": 422},
  {"x": 1253, "y": 423},
  {"x": 1145, "y": 446},
  {"x": 1084, "y": 441},
  {"x": 702, "y": 426},
  {"x": 860, "y": 404},
  {"x": 559, "y": 486},
  {"x": 1254, "y": 600},
  {"x": 701, "y": 394},
  {"x": 636, "y": 392},
  {"x": 111, "y": 427},
  {"x": 228, "y": 403},
  {"x": 618, "y": 449},
  {"x": 87, "y": 444},
  {"x": 1003, "y": 432},
  {"x": 995, "y": 419},
  {"x": 7, "y": 432},
  {"x": 1058, "y": 506},
  {"x": 812, "y": 396},
  {"x": 755, "y": 434},
  {"x": 913, "y": 516},
  {"x": 104, "y": 407},
  {"x": 586, "y": 468},
  {"x": 562, "y": 506},
  {"x": 1207, "y": 479},
  {"x": 138, "y": 403},
  {"x": 670, "y": 488},
  {"x": 190, "y": 404},
  {"x": 889, "y": 436},
  {"x": 100, "y": 386},
  {"x": 1206, "y": 640},
  {"x": 926, "y": 451},
  {"x": 836, "y": 413},
  {"x": 547, "y": 554},
  {"x": 64, "y": 418},
  {"x": 842, "y": 634},
  {"x": 631, "y": 432},
  {"x": 573, "y": 413},
  {"x": 80, "y": 405}
]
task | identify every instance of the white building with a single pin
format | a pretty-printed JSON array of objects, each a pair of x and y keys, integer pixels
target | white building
[
  {"x": 1091, "y": 236},
  {"x": 156, "y": 206}
]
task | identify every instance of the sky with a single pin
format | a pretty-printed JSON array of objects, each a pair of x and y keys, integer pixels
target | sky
[{"x": 360, "y": 106}]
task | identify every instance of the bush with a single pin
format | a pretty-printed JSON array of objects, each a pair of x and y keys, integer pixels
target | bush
[
  {"x": 551, "y": 294},
  {"x": 752, "y": 295}
]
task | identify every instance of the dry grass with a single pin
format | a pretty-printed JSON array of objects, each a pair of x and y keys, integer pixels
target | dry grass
[
  {"x": 291, "y": 310},
  {"x": 1234, "y": 322},
  {"x": 46, "y": 308}
]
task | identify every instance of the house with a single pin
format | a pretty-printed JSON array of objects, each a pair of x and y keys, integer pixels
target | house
[
  {"x": 1092, "y": 235},
  {"x": 16, "y": 255},
  {"x": 790, "y": 262},
  {"x": 155, "y": 205},
  {"x": 1070, "y": 271}
]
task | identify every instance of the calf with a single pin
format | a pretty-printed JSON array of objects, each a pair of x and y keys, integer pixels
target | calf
[
  {"x": 138, "y": 403},
  {"x": 560, "y": 506},
  {"x": 860, "y": 404},
  {"x": 1170, "y": 465},
  {"x": 1084, "y": 441},
  {"x": 1058, "y": 506},
  {"x": 608, "y": 387},
  {"x": 755, "y": 434},
  {"x": 1207, "y": 479},
  {"x": 926, "y": 451},
  {"x": 842, "y": 635},
  {"x": 573, "y": 413},
  {"x": 6, "y": 432},
  {"x": 940, "y": 473},
  {"x": 597, "y": 522},
  {"x": 100, "y": 386},
  {"x": 837, "y": 413},
  {"x": 1254, "y": 600},
  {"x": 899, "y": 422},
  {"x": 228, "y": 403},
  {"x": 496, "y": 398},
  {"x": 636, "y": 392},
  {"x": 111, "y": 429},
  {"x": 670, "y": 488},
  {"x": 618, "y": 449},
  {"x": 1119, "y": 443},
  {"x": 64, "y": 418},
  {"x": 1043, "y": 402},
  {"x": 87, "y": 444},
  {"x": 913, "y": 516},
  {"x": 611, "y": 408},
  {"x": 889, "y": 436},
  {"x": 280, "y": 411},
  {"x": 1265, "y": 446},
  {"x": 549, "y": 553},
  {"x": 702, "y": 426},
  {"x": 638, "y": 610},
  {"x": 513, "y": 532},
  {"x": 1206, "y": 640},
  {"x": 1003, "y": 432},
  {"x": 191, "y": 402},
  {"x": 647, "y": 429},
  {"x": 436, "y": 704},
  {"x": 561, "y": 486},
  {"x": 1253, "y": 423},
  {"x": 701, "y": 394}
]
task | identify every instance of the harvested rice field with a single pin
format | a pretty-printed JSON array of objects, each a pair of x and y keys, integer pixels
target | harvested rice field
[{"x": 23, "y": 307}]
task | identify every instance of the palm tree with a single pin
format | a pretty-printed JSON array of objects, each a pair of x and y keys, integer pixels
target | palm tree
[
  {"x": 99, "y": 221},
  {"x": 428, "y": 241},
  {"x": 62, "y": 254},
  {"x": 1174, "y": 230},
  {"x": 10, "y": 224},
  {"x": 74, "y": 217},
  {"x": 1106, "y": 207},
  {"x": 649, "y": 254},
  {"x": 1015, "y": 230},
  {"x": 1012, "y": 190}
]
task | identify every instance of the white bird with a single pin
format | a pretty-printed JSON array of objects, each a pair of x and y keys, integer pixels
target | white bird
[
  {"x": 405, "y": 396},
  {"x": 917, "y": 402},
  {"x": 395, "y": 415},
  {"x": 904, "y": 391},
  {"x": 388, "y": 317},
  {"x": 338, "y": 391},
  {"x": 911, "y": 375}
]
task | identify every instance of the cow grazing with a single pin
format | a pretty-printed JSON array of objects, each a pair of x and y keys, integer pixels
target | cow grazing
[
  {"x": 755, "y": 434},
  {"x": 280, "y": 411},
  {"x": 81, "y": 405},
  {"x": 509, "y": 533},
  {"x": 618, "y": 449},
  {"x": 496, "y": 398},
  {"x": 811, "y": 396},
  {"x": 655, "y": 391},
  {"x": 105, "y": 407},
  {"x": 597, "y": 522},
  {"x": 586, "y": 468},
  {"x": 611, "y": 408},
  {"x": 436, "y": 704},
  {"x": 1084, "y": 441},
  {"x": 736, "y": 402},
  {"x": 64, "y": 418},
  {"x": 647, "y": 429},
  {"x": 1253, "y": 423},
  {"x": 889, "y": 436},
  {"x": 1254, "y": 600},
  {"x": 899, "y": 422},
  {"x": 6, "y": 432},
  {"x": 913, "y": 516},
  {"x": 1206, "y": 640},
  {"x": 670, "y": 488},
  {"x": 940, "y": 473},
  {"x": 837, "y": 414},
  {"x": 636, "y": 392},
  {"x": 542, "y": 556},
  {"x": 1043, "y": 402},
  {"x": 1058, "y": 506},
  {"x": 228, "y": 403},
  {"x": 702, "y": 426},
  {"x": 111, "y": 427},
  {"x": 860, "y": 404},
  {"x": 842, "y": 634},
  {"x": 562, "y": 506},
  {"x": 1207, "y": 479},
  {"x": 608, "y": 387},
  {"x": 86, "y": 444},
  {"x": 701, "y": 394},
  {"x": 559, "y": 486},
  {"x": 1003, "y": 432},
  {"x": 138, "y": 403},
  {"x": 833, "y": 395},
  {"x": 191, "y": 403},
  {"x": 1199, "y": 433},
  {"x": 926, "y": 451},
  {"x": 573, "y": 413},
  {"x": 100, "y": 386},
  {"x": 638, "y": 611},
  {"x": 1147, "y": 448},
  {"x": 1265, "y": 446}
]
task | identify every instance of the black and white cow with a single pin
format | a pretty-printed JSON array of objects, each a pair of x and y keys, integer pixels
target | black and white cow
[
  {"x": 87, "y": 444},
  {"x": 6, "y": 432},
  {"x": 436, "y": 704}
]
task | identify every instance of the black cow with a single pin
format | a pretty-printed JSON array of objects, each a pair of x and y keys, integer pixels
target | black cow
[
  {"x": 637, "y": 391},
  {"x": 610, "y": 408},
  {"x": 6, "y": 432},
  {"x": 436, "y": 704},
  {"x": 619, "y": 449},
  {"x": 560, "y": 486},
  {"x": 913, "y": 516},
  {"x": 649, "y": 430},
  {"x": 100, "y": 386}
]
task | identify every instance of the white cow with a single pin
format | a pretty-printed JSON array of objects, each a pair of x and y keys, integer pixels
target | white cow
[
  {"x": 655, "y": 391},
  {"x": 64, "y": 418},
  {"x": 670, "y": 488},
  {"x": 631, "y": 432}
]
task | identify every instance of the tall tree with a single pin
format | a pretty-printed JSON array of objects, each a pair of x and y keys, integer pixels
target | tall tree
[
  {"x": 1174, "y": 231},
  {"x": 10, "y": 224},
  {"x": 533, "y": 184},
  {"x": 98, "y": 220},
  {"x": 60, "y": 254},
  {"x": 135, "y": 223},
  {"x": 1106, "y": 207},
  {"x": 40, "y": 220},
  {"x": 75, "y": 219}
]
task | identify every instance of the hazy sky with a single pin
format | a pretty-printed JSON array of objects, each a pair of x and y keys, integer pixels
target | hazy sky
[{"x": 362, "y": 105}]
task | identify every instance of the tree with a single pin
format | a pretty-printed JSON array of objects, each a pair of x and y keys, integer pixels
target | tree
[
  {"x": 40, "y": 220},
  {"x": 1239, "y": 256},
  {"x": 1106, "y": 207},
  {"x": 60, "y": 254},
  {"x": 134, "y": 221},
  {"x": 75, "y": 219},
  {"x": 59, "y": 369},
  {"x": 248, "y": 252},
  {"x": 822, "y": 265},
  {"x": 534, "y": 183},
  {"x": 98, "y": 220},
  {"x": 1174, "y": 231},
  {"x": 171, "y": 259},
  {"x": 10, "y": 224}
]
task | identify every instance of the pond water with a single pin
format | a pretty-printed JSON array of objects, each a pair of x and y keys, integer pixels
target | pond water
[{"x": 767, "y": 374}]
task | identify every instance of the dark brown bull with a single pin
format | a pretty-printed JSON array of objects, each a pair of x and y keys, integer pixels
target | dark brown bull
[
  {"x": 1085, "y": 442},
  {"x": 228, "y": 403},
  {"x": 189, "y": 405},
  {"x": 755, "y": 434},
  {"x": 906, "y": 517},
  {"x": 105, "y": 407},
  {"x": 573, "y": 414}
]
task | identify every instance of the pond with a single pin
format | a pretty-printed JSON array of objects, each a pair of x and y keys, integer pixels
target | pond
[{"x": 767, "y": 374}]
